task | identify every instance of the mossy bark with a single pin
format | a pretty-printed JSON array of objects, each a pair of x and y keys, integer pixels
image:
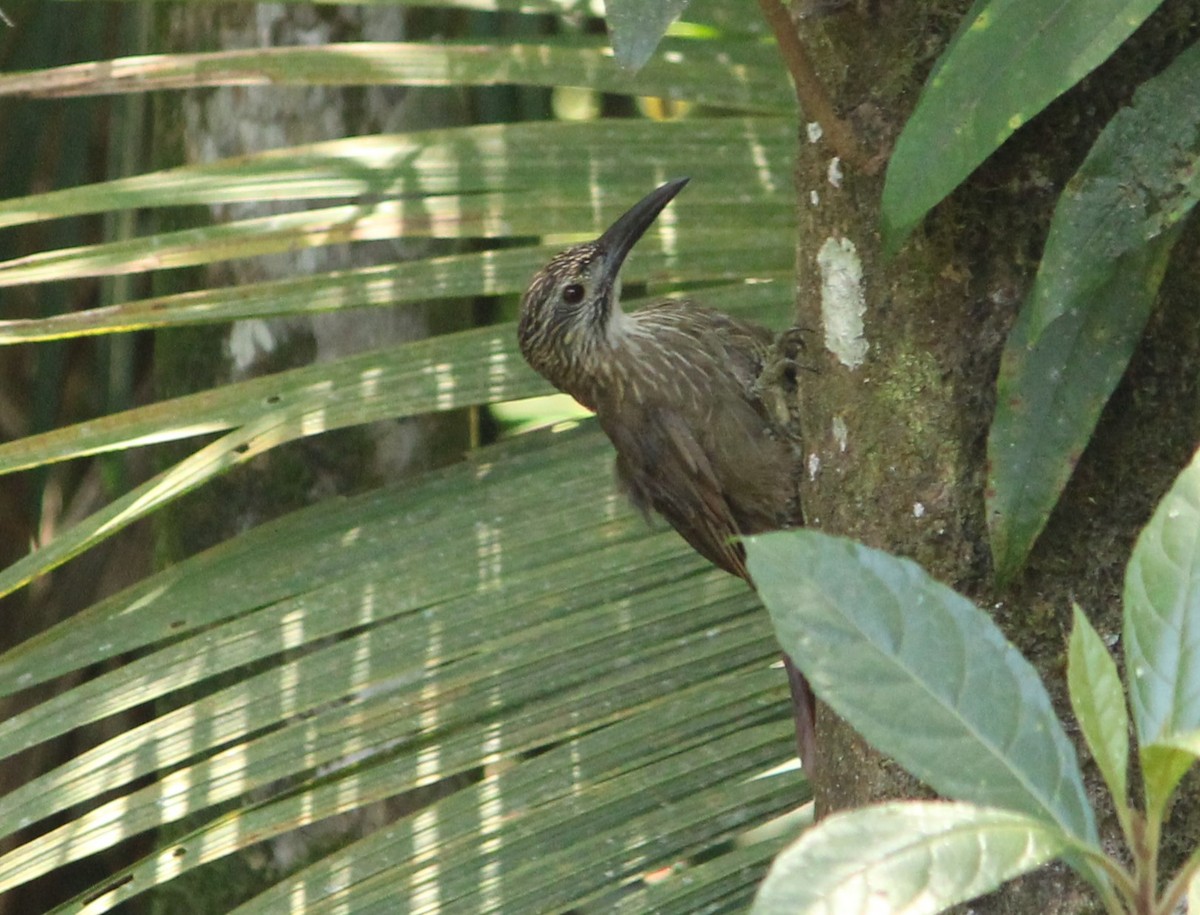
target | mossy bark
[{"x": 897, "y": 447}]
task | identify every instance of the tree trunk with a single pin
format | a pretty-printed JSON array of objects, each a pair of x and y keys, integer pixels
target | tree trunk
[{"x": 897, "y": 446}]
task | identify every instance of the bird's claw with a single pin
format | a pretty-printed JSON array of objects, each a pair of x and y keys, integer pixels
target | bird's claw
[{"x": 777, "y": 384}]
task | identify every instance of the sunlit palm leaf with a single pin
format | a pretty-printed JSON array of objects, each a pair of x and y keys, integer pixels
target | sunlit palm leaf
[
  {"x": 703, "y": 72},
  {"x": 432, "y": 375},
  {"x": 608, "y": 697},
  {"x": 440, "y": 373},
  {"x": 730, "y": 17},
  {"x": 543, "y": 631},
  {"x": 588, "y": 167},
  {"x": 481, "y": 274},
  {"x": 482, "y": 216}
]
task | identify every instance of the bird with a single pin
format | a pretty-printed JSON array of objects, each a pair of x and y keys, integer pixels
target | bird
[{"x": 685, "y": 394}]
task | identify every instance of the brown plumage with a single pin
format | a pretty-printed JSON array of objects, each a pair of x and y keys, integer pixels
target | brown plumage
[{"x": 677, "y": 387}]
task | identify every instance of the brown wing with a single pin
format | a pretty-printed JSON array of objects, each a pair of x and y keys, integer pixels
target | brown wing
[
  {"x": 663, "y": 468},
  {"x": 711, "y": 463}
]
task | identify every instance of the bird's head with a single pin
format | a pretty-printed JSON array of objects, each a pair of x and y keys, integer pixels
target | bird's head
[{"x": 571, "y": 310}]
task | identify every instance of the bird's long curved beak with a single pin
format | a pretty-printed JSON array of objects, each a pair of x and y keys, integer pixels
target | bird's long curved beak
[{"x": 623, "y": 234}]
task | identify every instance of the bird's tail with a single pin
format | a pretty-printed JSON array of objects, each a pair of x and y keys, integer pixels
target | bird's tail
[{"x": 804, "y": 712}]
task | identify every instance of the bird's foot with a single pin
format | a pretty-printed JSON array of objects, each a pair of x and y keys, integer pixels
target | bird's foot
[{"x": 777, "y": 385}]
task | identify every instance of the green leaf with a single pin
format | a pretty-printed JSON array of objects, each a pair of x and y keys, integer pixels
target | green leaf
[
  {"x": 705, "y": 887},
  {"x": 618, "y": 827},
  {"x": 912, "y": 857},
  {"x": 561, "y": 7},
  {"x": 435, "y": 374},
  {"x": 485, "y": 273},
  {"x": 443, "y": 217},
  {"x": 352, "y": 542},
  {"x": 1009, "y": 60},
  {"x": 637, "y": 26},
  {"x": 723, "y": 74},
  {"x": 729, "y": 17},
  {"x": 1186, "y": 742},
  {"x": 922, "y": 674},
  {"x": 1111, "y": 236},
  {"x": 524, "y": 689},
  {"x": 1162, "y": 615},
  {"x": 1099, "y": 704},
  {"x": 615, "y": 644},
  {"x": 577, "y": 168},
  {"x": 1163, "y": 766}
]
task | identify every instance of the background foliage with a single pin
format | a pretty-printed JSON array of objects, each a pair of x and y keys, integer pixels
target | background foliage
[
  {"x": 500, "y": 642},
  {"x": 502, "y": 647}
]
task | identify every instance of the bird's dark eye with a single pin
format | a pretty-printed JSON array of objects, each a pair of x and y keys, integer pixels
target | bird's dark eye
[{"x": 572, "y": 294}]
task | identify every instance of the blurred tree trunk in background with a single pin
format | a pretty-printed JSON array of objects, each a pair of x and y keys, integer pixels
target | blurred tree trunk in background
[
  {"x": 901, "y": 441},
  {"x": 212, "y": 124}
]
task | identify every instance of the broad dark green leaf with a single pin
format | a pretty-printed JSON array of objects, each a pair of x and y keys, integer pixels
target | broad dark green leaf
[
  {"x": 437, "y": 373},
  {"x": 922, "y": 674},
  {"x": 1162, "y": 616},
  {"x": 914, "y": 857},
  {"x": 726, "y": 881},
  {"x": 278, "y": 409},
  {"x": 1111, "y": 236},
  {"x": 1098, "y": 701},
  {"x": 1008, "y": 61},
  {"x": 484, "y": 273}
]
